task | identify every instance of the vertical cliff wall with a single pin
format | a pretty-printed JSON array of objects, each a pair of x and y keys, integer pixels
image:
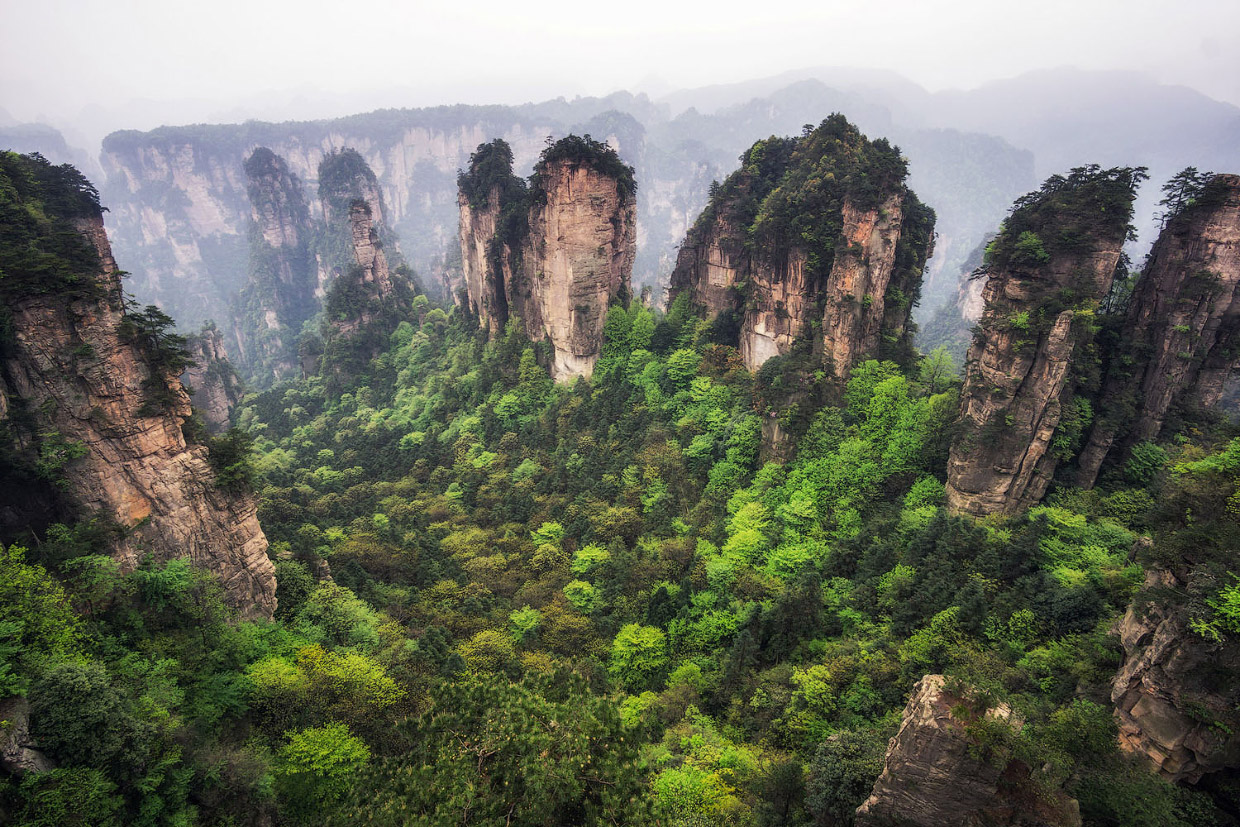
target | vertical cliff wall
[
  {"x": 281, "y": 293},
  {"x": 555, "y": 254},
  {"x": 1181, "y": 335},
  {"x": 213, "y": 385},
  {"x": 94, "y": 395},
  {"x": 813, "y": 237},
  {"x": 583, "y": 237},
  {"x": 1048, "y": 269}
]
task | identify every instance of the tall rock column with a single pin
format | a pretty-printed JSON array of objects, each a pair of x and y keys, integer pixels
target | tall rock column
[
  {"x": 281, "y": 293},
  {"x": 583, "y": 236},
  {"x": 555, "y": 253},
  {"x": 790, "y": 245},
  {"x": 1049, "y": 268},
  {"x": 1181, "y": 336},
  {"x": 105, "y": 406}
]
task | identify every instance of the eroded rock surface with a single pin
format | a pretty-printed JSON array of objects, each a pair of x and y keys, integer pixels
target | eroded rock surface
[
  {"x": 555, "y": 256},
  {"x": 932, "y": 779},
  {"x": 1174, "y": 695},
  {"x": 1181, "y": 336},
  {"x": 788, "y": 246},
  {"x": 1050, "y": 269},
  {"x": 19, "y": 754},
  {"x": 89, "y": 387},
  {"x": 213, "y": 385}
]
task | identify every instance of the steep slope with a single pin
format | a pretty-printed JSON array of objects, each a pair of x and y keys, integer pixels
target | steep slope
[
  {"x": 1181, "y": 336},
  {"x": 812, "y": 234},
  {"x": 554, "y": 255},
  {"x": 92, "y": 399},
  {"x": 1174, "y": 696},
  {"x": 1049, "y": 268}
]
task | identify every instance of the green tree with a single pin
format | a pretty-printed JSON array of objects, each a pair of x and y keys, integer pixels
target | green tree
[{"x": 639, "y": 657}]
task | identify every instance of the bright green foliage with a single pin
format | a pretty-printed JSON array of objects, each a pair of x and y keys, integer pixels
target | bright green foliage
[
  {"x": 37, "y": 621},
  {"x": 638, "y": 656},
  {"x": 316, "y": 768}
]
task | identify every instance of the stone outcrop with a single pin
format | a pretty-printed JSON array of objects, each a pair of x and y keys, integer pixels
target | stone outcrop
[
  {"x": 369, "y": 281},
  {"x": 583, "y": 237},
  {"x": 19, "y": 754},
  {"x": 1181, "y": 336},
  {"x": 787, "y": 247},
  {"x": 556, "y": 255},
  {"x": 213, "y": 385},
  {"x": 932, "y": 778},
  {"x": 95, "y": 398},
  {"x": 284, "y": 281},
  {"x": 1173, "y": 696},
  {"x": 1048, "y": 271}
]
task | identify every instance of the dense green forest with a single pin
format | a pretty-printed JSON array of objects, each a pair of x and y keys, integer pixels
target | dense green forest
[{"x": 506, "y": 601}]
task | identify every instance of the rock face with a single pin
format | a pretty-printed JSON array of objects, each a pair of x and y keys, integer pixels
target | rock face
[
  {"x": 213, "y": 385},
  {"x": 98, "y": 401},
  {"x": 931, "y": 779},
  {"x": 284, "y": 284},
  {"x": 1049, "y": 269},
  {"x": 789, "y": 245},
  {"x": 1168, "y": 696},
  {"x": 19, "y": 754},
  {"x": 583, "y": 234},
  {"x": 1181, "y": 336},
  {"x": 556, "y": 255}
]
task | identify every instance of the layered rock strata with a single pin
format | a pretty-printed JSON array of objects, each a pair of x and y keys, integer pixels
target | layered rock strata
[
  {"x": 1048, "y": 271},
  {"x": 556, "y": 255},
  {"x": 89, "y": 390},
  {"x": 1173, "y": 697},
  {"x": 932, "y": 775},
  {"x": 790, "y": 248},
  {"x": 1181, "y": 336}
]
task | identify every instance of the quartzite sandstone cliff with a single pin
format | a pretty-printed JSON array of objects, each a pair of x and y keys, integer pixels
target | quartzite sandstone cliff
[
  {"x": 932, "y": 774},
  {"x": 1181, "y": 335},
  {"x": 555, "y": 256},
  {"x": 791, "y": 245},
  {"x": 72, "y": 383},
  {"x": 1175, "y": 695},
  {"x": 1048, "y": 271}
]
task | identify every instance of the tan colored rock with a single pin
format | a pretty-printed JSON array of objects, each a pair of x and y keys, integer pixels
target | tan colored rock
[
  {"x": 575, "y": 256},
  {"x": 1017, "y": 371},
  {"x": 583, "y": 239},
  {"x": 68, "y": 363},
  {"x": 857, "y": 287},
  {"x": 487, "y": 295},
  {"x": 1164, "y": 699},
  {"x": 932, "y": 779},
  {"x": 1181, "y": 335}
]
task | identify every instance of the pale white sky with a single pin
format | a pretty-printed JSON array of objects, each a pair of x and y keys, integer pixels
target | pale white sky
[{"x": 107, "y": 64}]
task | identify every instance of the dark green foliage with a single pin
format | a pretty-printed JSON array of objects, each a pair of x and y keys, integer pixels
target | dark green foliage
[
  {"x": 540, "y": 752},
  {"x": 232, "y": 459},
  {"x": 1186, "y": 188},
  {"x": 1087, "y": 207},
  {"x": 80, "y": 716},
  {"x": 345, "y": 177},
  {"x": 582, "y": 150},
  {"x": 842, "y": 774},
  {"x": 42, "y": 250}
]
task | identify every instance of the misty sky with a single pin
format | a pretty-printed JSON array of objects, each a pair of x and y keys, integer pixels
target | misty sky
[{"x": 97, "y": 65}]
